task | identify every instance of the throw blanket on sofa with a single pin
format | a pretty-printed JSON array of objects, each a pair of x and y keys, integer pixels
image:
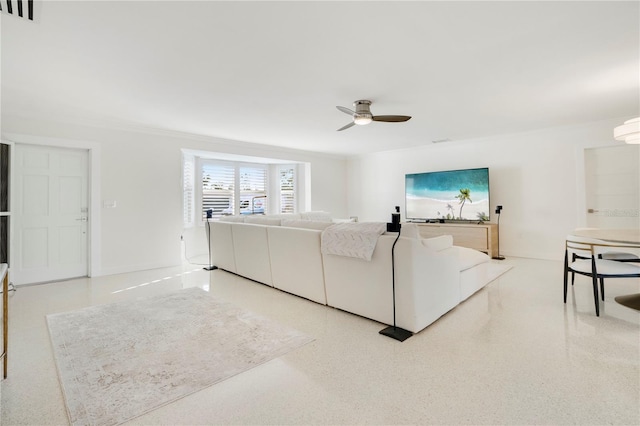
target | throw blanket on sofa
[{"x": 352, "y": 239}]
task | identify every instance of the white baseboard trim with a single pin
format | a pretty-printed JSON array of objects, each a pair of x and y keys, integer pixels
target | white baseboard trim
[{"x": 134, "y": 268}]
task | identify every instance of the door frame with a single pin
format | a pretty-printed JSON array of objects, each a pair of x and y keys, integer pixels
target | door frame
[{"x": 94, "y": 192}]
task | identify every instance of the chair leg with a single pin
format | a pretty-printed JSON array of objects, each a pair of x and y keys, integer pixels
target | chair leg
[
  {"x": 595, "y": 295},
  {"x": 602, "y": 287},
  {"x": 566, "y": 273},
  {"x": 573, "y": 277},
  {"x": 594, "y": 280}
]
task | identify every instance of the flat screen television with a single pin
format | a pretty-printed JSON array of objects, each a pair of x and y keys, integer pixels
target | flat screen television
[{"x": 449, "y": 195}]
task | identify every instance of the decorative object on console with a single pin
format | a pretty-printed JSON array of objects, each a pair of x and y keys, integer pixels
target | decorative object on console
[
  {"x": 629, "y": 132},
  {"x": 393, "y": 331},
  {"x": 498, "y": 210}
]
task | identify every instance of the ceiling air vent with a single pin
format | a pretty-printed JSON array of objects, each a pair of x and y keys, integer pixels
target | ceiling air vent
[
  {"x": 19, "y": 6},
  {"x": 441, "y": 140}
]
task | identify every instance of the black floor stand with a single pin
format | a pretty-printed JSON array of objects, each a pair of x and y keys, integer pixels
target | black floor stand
[
  {"x": 498, "y": 257},
  {"x": 397, "y": 333},
  {"x": 392, "y": 331},
  {"x": 210, "y": 267}
]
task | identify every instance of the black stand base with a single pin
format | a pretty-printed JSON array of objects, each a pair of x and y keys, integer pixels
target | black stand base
[
  {"x": 397, "y": 333},
  {"x": 498, "y": 258},
  {"x": 210, "y": 268}
]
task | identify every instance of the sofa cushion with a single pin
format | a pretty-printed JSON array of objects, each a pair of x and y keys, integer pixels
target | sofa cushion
[
  {"x": 292, "y": 216},
  {"x": 263, "y": 220},
  {"x": 307, "y": 224},
  {"x": 231, "y": 219},
  {"x": 438, "y": 243},
  {"x": 318, "y": 216}
]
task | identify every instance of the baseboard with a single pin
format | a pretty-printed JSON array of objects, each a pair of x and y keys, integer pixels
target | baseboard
[{"x": 133, "y": 268}]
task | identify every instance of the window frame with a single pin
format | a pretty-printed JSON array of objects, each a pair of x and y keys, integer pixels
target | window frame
[{"x": 272, "y": 189}]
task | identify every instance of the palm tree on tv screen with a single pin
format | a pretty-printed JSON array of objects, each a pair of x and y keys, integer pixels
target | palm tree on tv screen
[
  {"x": 463, "y": 196},
  {"x": 453, "y": 214}
]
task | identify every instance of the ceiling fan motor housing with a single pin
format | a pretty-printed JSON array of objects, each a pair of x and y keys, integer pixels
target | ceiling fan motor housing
[{"x": 363, "y": 113}]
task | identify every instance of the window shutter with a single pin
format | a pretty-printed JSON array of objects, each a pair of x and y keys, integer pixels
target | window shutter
[
  {"x": 287, "y": 190},
  {"x": 188, "y": 181},
  {"x": 253, "y": 189},
  {"x": 217, "y": 188}
]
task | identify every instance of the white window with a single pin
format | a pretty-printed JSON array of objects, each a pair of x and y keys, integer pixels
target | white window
[
  {"x": 218, "y": 188},
  {"x": 253, "y": 189},
  {"x": 287, "y": 181},
  {"x": 235, "y": 188},
  {"x": 188, "y": 188}
]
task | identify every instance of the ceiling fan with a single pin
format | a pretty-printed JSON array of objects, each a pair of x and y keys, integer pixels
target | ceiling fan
[{"x": 362, "y": 115}]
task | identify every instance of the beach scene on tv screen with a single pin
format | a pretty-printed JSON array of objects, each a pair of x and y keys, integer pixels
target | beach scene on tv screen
[{"x": 451, "y": 195}]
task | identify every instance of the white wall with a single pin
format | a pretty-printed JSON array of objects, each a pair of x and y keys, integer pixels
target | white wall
[
  {"x": 142, "y": 173},
  {"x": 538, "y": 178}
]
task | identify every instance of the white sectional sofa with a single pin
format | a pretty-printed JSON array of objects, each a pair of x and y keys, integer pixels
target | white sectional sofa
[{"x": 431, "y": 275}]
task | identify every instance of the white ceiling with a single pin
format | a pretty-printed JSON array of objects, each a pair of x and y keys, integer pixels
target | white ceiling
[{"x": 273, "y": 72}]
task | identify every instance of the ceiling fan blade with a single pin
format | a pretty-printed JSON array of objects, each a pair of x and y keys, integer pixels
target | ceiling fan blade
[
  {"x": 345, "y": 110},
  {"x": 391, "y": 118},
  {"x": 347, "y": 126}
]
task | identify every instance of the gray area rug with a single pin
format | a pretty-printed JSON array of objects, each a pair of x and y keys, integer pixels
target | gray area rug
[{"x": 121, "y": 360}]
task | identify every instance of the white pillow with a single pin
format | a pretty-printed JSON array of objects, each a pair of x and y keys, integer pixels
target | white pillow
[
  {"x": 438, "y": 243},
  {"x": 262, "y": 220},
  {"x": 308, "y": 224},
  {"x": 469, "y": 258},
  {"x": 318, "y": 216},
  {"x": 231, "y": 219}
]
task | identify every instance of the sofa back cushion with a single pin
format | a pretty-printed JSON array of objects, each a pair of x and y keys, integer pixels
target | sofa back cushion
[
  {"x": 251, "y": 249},
  {"x": 263, "y": 220},
  {"x": 296, "y": 262},
  {"x": 410, "y": 230},
  {"x": 307, "y": 224},
  {"x": 231, "y": 219},
  {"x": 318, "y": 216},
  {"x": 221, "y": 245}
]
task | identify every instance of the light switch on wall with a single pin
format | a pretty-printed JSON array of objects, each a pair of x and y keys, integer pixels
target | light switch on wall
[{"x": 111, "y": 204}]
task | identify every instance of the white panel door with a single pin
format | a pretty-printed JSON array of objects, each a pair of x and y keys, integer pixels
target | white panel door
[
  {"x": 50, "y": 214},
  {"x": 612, "y": 185}
]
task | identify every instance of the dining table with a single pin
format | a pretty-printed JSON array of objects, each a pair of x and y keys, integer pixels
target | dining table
[{"x": 630, "y": 238}]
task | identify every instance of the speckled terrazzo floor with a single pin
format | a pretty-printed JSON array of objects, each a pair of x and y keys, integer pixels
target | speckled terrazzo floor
[{"x": 511, "y": 354}]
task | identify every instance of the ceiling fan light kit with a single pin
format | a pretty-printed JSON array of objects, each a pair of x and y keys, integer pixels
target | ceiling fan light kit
[
  {"x": 362, "y": 115},
  {"x": 628, "y": 132}
]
